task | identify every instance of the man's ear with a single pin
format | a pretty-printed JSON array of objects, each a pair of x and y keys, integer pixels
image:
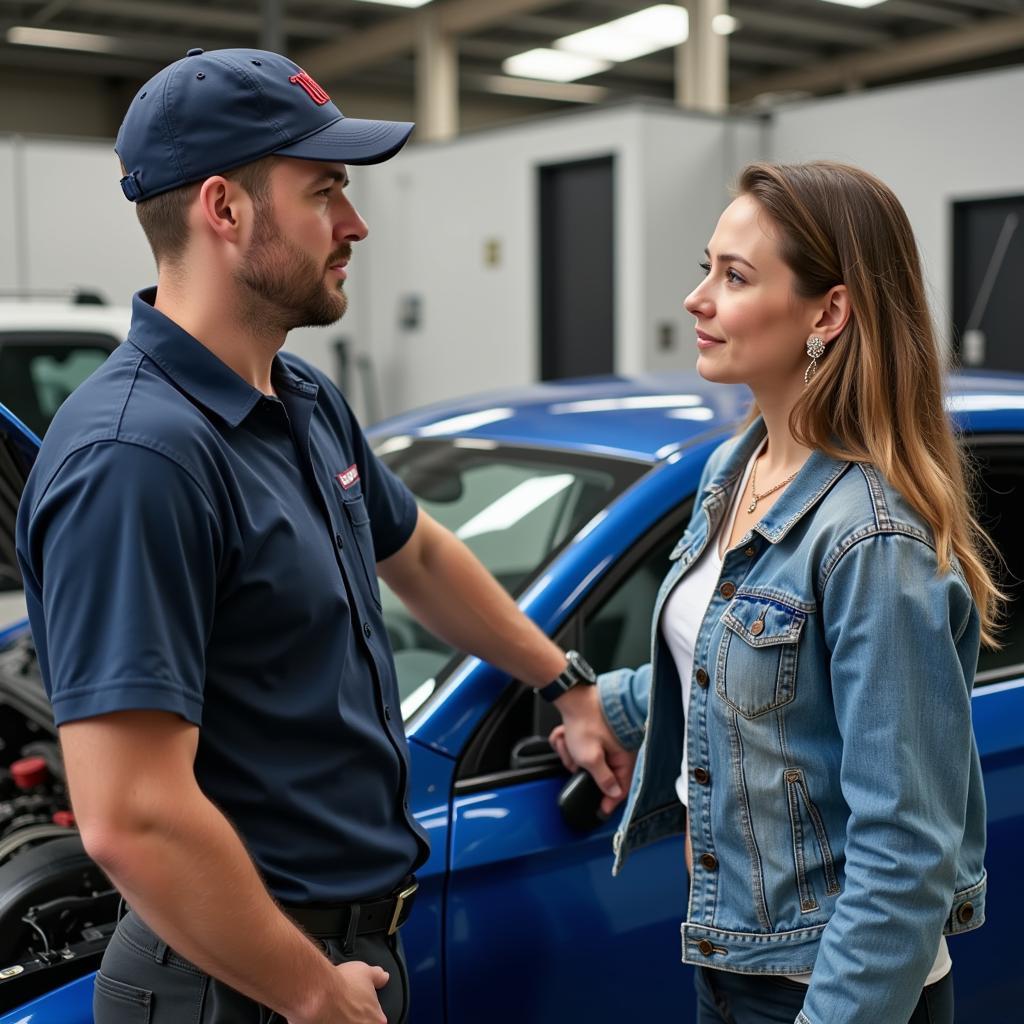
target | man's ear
[
  {"x": 224, "y": 207},
  {"x": 833, "y": 314}
]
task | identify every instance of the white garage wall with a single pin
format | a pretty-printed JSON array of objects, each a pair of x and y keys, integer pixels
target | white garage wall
[
  {"x": 8, "y": 217},
  {"x": 433, "y": 210},
  {"x": 932, "y": 142}
]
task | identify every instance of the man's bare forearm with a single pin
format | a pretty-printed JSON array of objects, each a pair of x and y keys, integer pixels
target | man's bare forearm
[
  {"x": 448, "y": 590},
  {"x": 184, "y": 870}
]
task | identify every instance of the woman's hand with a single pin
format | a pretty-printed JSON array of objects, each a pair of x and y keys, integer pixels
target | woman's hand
[{"x": 585, "y": 740}]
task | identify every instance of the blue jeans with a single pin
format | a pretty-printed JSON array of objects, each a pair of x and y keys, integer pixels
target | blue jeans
[{"x": 726, "y": 998}]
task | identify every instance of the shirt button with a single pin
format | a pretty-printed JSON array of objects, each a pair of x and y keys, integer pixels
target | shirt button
[
  {"x": 727, "y": 590},
  {"x": 702, "y": 775},
  {"x": 387, "y": 712},
  {"x": 702, "y": 679},
  {"x": 709, "y": 861},
  {"x": 705, "y": 947},
  {"x": 750, "y": 551},
  {"x": 367, "y": 632},
  {"x": 339, "y": 540}
]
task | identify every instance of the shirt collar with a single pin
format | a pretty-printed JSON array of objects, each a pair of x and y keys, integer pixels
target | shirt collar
[
  {"x": 816, "y": 477},
  {"x": 196, "y": 370}
]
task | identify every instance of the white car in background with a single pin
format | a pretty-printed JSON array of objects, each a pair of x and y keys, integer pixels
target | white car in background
[{"x": 47, "y": 348}]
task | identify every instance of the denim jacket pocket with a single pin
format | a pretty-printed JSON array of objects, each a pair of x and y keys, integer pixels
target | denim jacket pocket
[{"x": 757, "y": 656}]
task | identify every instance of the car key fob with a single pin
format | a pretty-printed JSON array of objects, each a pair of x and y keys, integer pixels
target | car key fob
[{"x": 580, "y": 802}]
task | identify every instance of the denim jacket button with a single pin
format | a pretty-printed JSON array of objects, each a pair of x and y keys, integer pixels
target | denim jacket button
[
  {"x": 727, "y": 590},
  {"x": 709, "y": 861},
  {"x": 702, "y": 678},
  {"x": 705, "y": 947},
  {"x": 965, "y": 913},
  {"x": 750, "y": 551},
  {"x": 758, "y": 627},
  {"x": 702, "y": 775}
]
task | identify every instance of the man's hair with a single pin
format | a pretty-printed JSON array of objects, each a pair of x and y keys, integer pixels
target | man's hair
[{"x": 164, "y": 218}]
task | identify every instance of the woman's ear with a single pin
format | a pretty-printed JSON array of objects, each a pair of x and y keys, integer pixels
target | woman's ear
[{"x": 833, "y": 314}]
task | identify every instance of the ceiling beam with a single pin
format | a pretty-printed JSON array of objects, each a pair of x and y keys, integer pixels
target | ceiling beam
[
  {"x": 354, "y": 51},
  {"x": 823, "y": 29},
  {"x": 982, "y": 39},
  {"x": 194, "y": 16},
  {"x": 922, "y": 11}
]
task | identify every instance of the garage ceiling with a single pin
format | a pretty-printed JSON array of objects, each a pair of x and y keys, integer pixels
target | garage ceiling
[{"x": 780, "y": 49}]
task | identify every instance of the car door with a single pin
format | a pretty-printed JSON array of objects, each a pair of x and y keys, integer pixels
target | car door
[
  {"x": 986, "y": 962},
  {"x": 531, "y": 899}
]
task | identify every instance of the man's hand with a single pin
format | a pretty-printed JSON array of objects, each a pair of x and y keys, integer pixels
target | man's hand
[
  {"x": 585, "y": 740},
  {"x": 353, "y": 1000}
]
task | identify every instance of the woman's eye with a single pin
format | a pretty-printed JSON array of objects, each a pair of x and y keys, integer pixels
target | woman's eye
[{"x": 733, "y": 278}]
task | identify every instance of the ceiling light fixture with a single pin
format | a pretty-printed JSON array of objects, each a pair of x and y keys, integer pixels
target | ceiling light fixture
[
  {"x": 635, "y": 35},
  {"x": 856, "y": 3},
  {"x": 27, "y": 35},
  {"x": 398, "y": 3},
  {"x": 724, "y": 24},
  {"x": 553, "y": 65}
]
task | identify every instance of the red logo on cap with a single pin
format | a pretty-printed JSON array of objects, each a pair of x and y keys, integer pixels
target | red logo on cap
[{"x": 315, "y": 93}]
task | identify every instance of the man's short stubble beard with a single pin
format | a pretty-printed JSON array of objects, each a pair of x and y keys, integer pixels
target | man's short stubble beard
[{"x": 285, "y": 284}]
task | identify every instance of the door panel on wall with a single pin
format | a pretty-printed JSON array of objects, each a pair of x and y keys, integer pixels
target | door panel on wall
[
  {"x": 988, "y": 273},
  {"x": 577, "y": 302}
]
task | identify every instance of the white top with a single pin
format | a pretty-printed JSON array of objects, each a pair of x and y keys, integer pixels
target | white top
[{"x": 681, "y": 619}]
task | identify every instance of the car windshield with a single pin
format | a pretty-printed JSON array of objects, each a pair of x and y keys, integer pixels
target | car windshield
[{"x": 515, "y": 508}]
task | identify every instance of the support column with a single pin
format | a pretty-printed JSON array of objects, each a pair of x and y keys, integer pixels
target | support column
[
  {"x": 702, "y": 62},
  {"x": 437, "y": 80},
  {"x": 271, "y": 26}
]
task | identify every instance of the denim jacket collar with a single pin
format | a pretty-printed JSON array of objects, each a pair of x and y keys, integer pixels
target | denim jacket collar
[{"x": 816, "y": 477}]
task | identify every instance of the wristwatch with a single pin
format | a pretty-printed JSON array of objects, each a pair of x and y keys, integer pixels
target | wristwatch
[{"x": 577, "y": 673}]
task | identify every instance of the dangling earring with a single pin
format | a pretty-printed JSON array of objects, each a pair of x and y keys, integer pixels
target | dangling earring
[{"x": 815, "y": 349}]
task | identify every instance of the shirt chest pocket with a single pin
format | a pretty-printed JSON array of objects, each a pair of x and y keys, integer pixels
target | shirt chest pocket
[
  {"x": 359, "y": 523},
  {"x": 757, "y": 658}
]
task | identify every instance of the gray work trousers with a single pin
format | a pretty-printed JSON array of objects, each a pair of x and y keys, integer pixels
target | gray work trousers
[{"x": 142, "y": 981}]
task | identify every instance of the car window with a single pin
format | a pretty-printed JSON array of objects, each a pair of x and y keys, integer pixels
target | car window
[
  {"x": 37, "y": 376},
  {"x": 515, "y": 508},
  {"x": 1000, "y": 476}
]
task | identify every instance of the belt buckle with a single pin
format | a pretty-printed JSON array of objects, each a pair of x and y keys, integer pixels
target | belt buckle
[{"x": 399, "y": 905}]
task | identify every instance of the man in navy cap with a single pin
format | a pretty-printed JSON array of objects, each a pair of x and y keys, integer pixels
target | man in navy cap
[{"x": 200, "y": 539}]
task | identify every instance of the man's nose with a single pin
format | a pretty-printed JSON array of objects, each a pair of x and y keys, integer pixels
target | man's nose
[{"x": 350, "y": 226}]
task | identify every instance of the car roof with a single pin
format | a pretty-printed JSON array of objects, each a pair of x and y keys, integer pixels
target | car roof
[
  {"x": 647, "y": 417},
  {"x": 18, "y": 315}
]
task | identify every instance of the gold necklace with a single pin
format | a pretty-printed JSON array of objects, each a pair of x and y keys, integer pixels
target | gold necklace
[{"x": 771, "y": 490}]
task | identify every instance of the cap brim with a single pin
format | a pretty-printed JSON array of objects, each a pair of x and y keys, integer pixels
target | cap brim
[{"x": 350, "y": 140}]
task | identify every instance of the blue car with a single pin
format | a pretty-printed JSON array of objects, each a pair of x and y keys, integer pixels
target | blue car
[{"x": 572, "y": 494}]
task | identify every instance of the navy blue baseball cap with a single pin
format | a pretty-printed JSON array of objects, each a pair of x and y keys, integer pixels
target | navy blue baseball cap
[{"x": 211, "y": 112}]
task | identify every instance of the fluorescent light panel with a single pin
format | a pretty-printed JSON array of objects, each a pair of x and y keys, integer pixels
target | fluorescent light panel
[
  {"x": 856, "y": 3},
  {"x": 553, "y": 65},
  {"x": 646, "y": 31},
  {"x": 398, "y": 3},
  {"x": 26, "y": 35},
  {"x": 724, "y": 24}
]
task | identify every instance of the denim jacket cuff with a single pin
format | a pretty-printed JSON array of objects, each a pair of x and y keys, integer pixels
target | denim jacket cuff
[
  {"x": 617, "y": 703},
  {"x": 802, "y": 1018}
]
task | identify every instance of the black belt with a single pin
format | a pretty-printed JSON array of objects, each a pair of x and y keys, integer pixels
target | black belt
[{"x": 347, "y": 920}]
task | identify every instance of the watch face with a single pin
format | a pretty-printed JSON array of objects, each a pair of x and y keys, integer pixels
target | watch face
[{"x": 580, "y": 666}]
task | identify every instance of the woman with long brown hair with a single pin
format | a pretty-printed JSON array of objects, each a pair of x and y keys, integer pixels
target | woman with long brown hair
[{"x": 806, "y": 716}]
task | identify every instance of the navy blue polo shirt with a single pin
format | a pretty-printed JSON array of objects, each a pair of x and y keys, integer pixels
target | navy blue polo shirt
[{"x": 193, "y": 546}]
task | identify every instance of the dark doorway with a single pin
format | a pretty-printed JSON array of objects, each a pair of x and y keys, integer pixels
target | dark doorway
[
  {"x": 988, "y": 276},
  {"x": 577, "y": 290}
]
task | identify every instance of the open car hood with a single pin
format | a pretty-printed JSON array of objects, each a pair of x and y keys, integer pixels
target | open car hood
[{"x": 18, "y": 448}]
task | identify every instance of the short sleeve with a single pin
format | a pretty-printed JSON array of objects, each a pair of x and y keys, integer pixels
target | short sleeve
[{"x": 120, "y": 554}]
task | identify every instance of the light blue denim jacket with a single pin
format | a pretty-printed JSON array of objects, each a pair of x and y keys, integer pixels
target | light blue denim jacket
[{"x": 835, "y": 790}]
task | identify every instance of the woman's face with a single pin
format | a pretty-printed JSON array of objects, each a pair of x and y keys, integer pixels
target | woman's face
[{"x": 752, "y": 327}]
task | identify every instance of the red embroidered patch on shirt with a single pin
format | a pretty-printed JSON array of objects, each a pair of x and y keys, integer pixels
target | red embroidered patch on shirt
[{"x": 349, "y": 477}]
